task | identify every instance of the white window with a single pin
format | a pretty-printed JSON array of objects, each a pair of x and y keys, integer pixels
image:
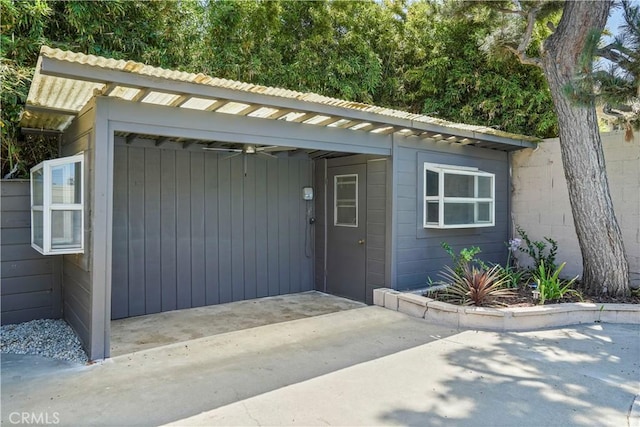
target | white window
[
  {"x": 345, "y": 195},
  {"x": 57, "y": 206},
  {"x": 458, "y": 197}
]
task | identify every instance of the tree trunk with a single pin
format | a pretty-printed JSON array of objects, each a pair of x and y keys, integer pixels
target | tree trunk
[{"x": 605, "y": 270}]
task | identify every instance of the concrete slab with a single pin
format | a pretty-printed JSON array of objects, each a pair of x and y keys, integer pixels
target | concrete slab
[
  {"x": 154, "y": 330},
  {"x": 367, "y": 366}
]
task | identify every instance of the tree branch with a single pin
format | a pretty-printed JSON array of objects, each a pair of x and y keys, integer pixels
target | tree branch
[
  {"x": 521, "y": 51},
  {"x": 513, "y": 12}
]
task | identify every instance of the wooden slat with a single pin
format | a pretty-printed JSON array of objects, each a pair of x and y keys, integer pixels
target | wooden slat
[
  {"x": 261, "y": 227},
  {"x": 283, "y": 226},
  {"x": 120, "y": 234},
  {"x": 249, "y": 209},
  {"x": 224, "y": 229},
  {"x": 152, "y": 240},
  {"x": 212, "y": 295},
  {"x": 294, "y": 197},
  {"x": 197, "y": 231},
  {"x": 168, "y": 239},
  {"x": 237, "y": 225},
  {"x": 136, "y": 235},
  {"x": 273, "y": 227},
  {"x": 142, "y": 93},
  {"x": 183, "y": 229}
]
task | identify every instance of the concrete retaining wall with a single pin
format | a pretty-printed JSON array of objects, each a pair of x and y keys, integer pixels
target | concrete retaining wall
[{"x": 540, "y": 200}]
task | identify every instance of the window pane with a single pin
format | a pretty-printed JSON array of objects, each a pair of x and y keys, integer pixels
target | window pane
[
  {"x": 65, "y": 183},
  {"x": 433, "y": 213},
  {"x": 431, "y": 183},
  {"x": 38, "y": 225},
  {"x": 484, "y": 212},
  {"x": 37, "y": 186},
  {"x": 66, "y": 229},
  {"x": 346, "y": 204},
  {"x": 484, "y": 186},
  {"x": 458, "y": 213},
  {"x": 458, "y": 185}
]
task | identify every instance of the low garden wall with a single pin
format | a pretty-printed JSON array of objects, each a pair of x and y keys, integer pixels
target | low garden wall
[{"x": 505, "y": 319}]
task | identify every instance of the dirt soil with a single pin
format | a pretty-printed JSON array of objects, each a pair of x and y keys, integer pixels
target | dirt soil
[{"x": 523, "y": 297}]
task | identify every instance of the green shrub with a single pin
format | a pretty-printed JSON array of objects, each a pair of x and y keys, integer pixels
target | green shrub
[
  {"x": 550, "y": 286},
  {"x": 474, "y": 286},
  {"x": 536, "y": 250},
  {"x": 465, "y": 257}
]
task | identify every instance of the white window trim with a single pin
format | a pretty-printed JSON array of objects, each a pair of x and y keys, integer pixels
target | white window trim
[
  {"x": 335, "y": 200},
  {"x": 48, "y": 207},
  {"x": 441, "y": 170}
]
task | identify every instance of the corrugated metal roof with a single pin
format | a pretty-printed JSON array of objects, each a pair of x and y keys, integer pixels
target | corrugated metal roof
[{"x": 53, "y": 99}]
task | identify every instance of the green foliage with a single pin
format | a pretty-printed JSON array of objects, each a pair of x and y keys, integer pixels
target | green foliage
[
  {"x": 464, "y": 258},
  {"x": 511, "y": 276},
  {"x": 474, "y": 286},
  {"x": 538, "y": 251},
  {"x": 413, "y": 55},
  {"x": 550, "y": 286}
]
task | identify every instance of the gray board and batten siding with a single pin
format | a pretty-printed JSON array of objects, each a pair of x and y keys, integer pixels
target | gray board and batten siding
[
  {"x": 31, "y": 287},
  {"x": 79, "y": 293},
  {"x": 190, "y": 228},
  {"x": 417, "y": 254}
]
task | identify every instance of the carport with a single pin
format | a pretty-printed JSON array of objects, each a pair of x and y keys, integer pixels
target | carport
[{"x": 201, "y": 191}]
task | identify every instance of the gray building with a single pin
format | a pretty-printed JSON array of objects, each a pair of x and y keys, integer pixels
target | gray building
[{"x": 202, "y": 191}]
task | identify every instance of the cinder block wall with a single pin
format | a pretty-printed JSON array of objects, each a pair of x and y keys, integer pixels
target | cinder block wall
[
  {"x": 30, "y": 287},
  {"x": 540, "y": 200}
]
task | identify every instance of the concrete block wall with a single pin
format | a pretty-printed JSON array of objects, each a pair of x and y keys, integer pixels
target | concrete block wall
[{"x": 540, "y": 200}]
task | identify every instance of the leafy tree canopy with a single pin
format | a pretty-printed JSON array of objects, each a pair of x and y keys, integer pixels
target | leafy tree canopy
[{"x": 418, "y": 56}]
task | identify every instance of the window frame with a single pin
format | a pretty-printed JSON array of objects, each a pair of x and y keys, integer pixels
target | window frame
[
  {"x": 48, "y": 206},
  {"x": 442, "y": 200},
  {"x": 335, "y": 200}
]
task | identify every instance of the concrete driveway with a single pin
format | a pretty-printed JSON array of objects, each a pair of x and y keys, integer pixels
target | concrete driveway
[{"x": 365, "y": 366}]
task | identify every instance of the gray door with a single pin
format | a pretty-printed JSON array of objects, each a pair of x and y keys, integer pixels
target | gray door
[{"x": 346, "y": 231}]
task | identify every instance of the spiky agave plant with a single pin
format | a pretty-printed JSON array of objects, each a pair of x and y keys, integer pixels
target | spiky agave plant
[{"x": 475, "y": 286}]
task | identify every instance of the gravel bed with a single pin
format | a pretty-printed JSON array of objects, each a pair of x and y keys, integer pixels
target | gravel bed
[{"x": 48, "y": 338}]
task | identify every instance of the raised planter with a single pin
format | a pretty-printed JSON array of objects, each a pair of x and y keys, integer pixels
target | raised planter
[{"x": 505, "y": 319}]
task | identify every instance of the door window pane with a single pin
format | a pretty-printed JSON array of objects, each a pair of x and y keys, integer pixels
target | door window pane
[{"x": 346, "y": 200}]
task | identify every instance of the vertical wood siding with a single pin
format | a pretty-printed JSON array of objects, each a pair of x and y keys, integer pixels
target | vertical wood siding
[
  {"x": 76, "y": 268},
  {"x": 418, "y": 251},
  {"x": 190, "y": 229},
  {"x": 376, "y": 226},
  {"x": 30, "y": 281}
]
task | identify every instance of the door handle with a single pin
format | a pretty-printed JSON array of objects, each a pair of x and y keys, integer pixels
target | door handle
[{"x": 361, "y": 242}]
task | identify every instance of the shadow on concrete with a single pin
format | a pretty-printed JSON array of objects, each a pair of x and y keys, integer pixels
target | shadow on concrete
[
  {"x": 584, "y": 375},
  {"x": 174, "y": 382}
]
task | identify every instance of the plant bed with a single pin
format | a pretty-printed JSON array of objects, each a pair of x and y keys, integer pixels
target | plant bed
[
  {"x": 517, "y": 317},
  {"x": 523, "y": 297}
]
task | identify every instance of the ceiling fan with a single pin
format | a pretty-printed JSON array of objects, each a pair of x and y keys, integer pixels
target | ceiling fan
[{"x": 250, "y": 149}]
